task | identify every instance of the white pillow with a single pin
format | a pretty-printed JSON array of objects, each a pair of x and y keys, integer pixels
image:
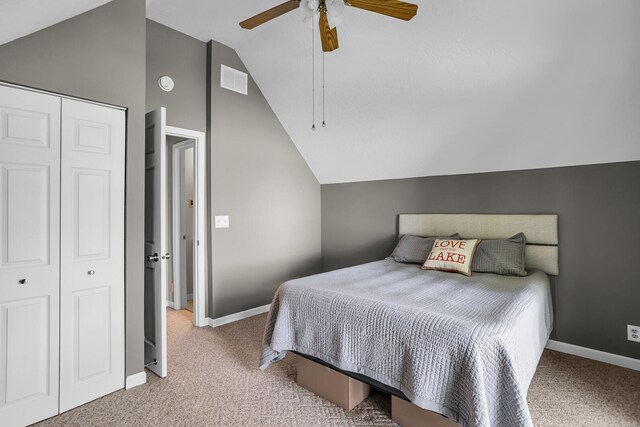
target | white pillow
[{"x": 452, "y": 255}]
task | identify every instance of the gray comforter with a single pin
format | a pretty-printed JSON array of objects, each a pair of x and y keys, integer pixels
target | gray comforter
[{"x": 466, "y": 347}]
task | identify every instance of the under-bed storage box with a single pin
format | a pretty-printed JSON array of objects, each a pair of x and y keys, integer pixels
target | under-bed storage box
[
  {"x": 334, "y": 386},
  {"x": 409, "y": 415}
]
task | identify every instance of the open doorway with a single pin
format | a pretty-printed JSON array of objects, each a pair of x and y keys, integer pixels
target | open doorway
[
  {"x": 185, "y": 191},
  {"x": 181, "y": 188}
]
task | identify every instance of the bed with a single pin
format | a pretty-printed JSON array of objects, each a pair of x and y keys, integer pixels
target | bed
[{"x": 465, "y": 347}]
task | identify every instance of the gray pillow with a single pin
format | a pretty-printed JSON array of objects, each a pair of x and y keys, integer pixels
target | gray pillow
[
  {"x": 414, "y": 249},
  {"x": 501, "y": 256}
]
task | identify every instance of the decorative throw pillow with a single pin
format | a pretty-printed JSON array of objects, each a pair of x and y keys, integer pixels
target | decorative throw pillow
[
  {"x": 451, "y": 255},
  {"x": 414, "y": 249},
  {"x": 501, "y": 256}
]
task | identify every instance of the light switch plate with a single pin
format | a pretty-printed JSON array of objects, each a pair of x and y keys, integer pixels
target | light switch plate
[{"x": 221, "y": 221}]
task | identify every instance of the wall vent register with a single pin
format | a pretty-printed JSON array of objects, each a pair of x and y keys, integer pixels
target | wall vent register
[{"x": 233, "y": 79}]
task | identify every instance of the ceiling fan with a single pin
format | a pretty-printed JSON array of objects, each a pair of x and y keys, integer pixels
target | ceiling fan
[{"x": 329, "y": 14}]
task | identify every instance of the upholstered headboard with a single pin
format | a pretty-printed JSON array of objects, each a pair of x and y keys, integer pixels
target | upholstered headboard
[{"x": 541, "y": 232}]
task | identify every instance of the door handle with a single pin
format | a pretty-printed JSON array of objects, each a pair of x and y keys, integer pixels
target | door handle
[
  {"x": 23, "y": 281},
  {"x": 153, "y": 258},
  {"x": 167, "y": 256}
]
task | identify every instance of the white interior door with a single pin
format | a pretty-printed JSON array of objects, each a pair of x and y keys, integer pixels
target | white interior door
[
  {"x": 92, "y": 252},
  {"x": 29, "y": 255},
  {"x": 155, "y": 234}
]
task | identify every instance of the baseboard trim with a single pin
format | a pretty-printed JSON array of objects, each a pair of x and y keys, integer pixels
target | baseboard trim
[
  {"x": 135, "y": 380},
  {"x": 170, "y": 304},
  {"x": 589, "y": 353},
  {"x": 237, "y": 316}
]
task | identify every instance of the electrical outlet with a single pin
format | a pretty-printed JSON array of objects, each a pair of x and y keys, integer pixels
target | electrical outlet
[{"x": 633, "y": 333}]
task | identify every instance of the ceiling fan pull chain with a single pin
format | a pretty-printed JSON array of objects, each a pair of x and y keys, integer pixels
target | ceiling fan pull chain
[
  {"x": 313, "y": 79},
  {"x": 323, "y": 123}
]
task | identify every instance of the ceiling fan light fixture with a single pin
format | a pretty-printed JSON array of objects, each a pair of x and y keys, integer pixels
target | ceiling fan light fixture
[
  {"x": 311, "y": 5},
  {"x": 310, "y": 10},
  {"x": 335, "y": 7}
]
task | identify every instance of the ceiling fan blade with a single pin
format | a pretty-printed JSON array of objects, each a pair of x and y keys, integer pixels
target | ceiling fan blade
[
  {"x": 270, "y": 14},
  {"x": 394, "y": 8},
  {"x": 328, "y": 36}
]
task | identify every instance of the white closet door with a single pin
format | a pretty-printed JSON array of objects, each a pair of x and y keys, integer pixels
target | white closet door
[
  {"x": 92, "y": 253},
  {"x": 29, "y": 255}
]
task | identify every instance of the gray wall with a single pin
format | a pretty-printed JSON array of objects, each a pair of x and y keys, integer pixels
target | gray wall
[
  {"x": 256, "y": 174},
  {"x": 99, "y": 55},
  {"x": 597, "y": 291},
  {"x": 261, "y": 181},
  {"x": 184, "y": 59}
]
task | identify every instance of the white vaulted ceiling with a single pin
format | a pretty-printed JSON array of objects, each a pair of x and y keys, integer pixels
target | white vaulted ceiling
[
  {"x": 464, "y": 87},
  {"x": 19, "y": 18}
]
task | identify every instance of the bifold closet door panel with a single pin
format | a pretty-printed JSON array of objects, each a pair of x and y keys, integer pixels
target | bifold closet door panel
[
  {"x": 92, "y": 253},
  {"x": 29, "y": 255}
]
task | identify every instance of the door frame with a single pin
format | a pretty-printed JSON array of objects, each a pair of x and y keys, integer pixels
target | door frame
[{"x": 199, "y": 222}]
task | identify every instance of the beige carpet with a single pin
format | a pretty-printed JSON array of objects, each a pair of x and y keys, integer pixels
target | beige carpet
[{"x": 214, "y": 381}]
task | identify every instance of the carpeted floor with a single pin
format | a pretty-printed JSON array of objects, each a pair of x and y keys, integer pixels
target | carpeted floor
[{"x": 214, "y": 381}]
